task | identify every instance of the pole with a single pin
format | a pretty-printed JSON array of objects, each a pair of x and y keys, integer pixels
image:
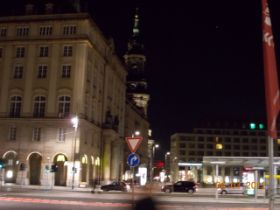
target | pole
[
  {"x": 216, "y": 180},
  {"x": 132, "y": 186},
  {"x": 271, "y": 174},
  {"x": 74, "y": 152},
  {"x": 256, "y": 184}
]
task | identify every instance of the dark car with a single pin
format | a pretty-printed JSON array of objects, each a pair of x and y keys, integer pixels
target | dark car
[
  {"x": 181, "y": 186},
  {"x": 116, "y": 186}
]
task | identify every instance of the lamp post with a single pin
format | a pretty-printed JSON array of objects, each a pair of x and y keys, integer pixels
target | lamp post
[
  {"x": 167, "y": 164},
  {"x": 75, "y": 123},
  {"x": 152, "y": 161}
]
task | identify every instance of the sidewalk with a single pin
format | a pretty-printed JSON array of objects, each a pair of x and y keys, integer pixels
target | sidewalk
[{"x": 42, "y": 187}]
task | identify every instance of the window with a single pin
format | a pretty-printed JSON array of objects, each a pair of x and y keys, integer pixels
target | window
[
  {"x": 61, "y": 135},
  {"x": 66, "y": 71},
  {"x": 182, "y": 145},
  {"x": 236, "y": 140},
  {"x": 18, "y": 72},
  {"x": 182, "y": 152},
  {"x": 245, "y": 140},
  {"x": 1, "y": 52},
  {"x": 44, "y": 52},
  {"x": 64, "y": 106},
  {"x": 22, "y": 31},
  {"x": 39, "y": 106},
  {"x": 209, "y": 146},
  {"x": 3, "y": 32},
  {"x": 227, "y": 146},
  {"x": 68, "y": 30},
  {"x": 209, "y": 139},
  {"x": 246, "y": 147},
  {"x": 42, "y": 71},
  {"x": 236, "y": 147},
  {"x": 67, "y": 51},
  {"x": 227, "y": 139},
  {"x": 36, "y": 134},
  {"x": 200, "y": 138},
  {"x": 13, "y": 133},
  {"x": 15, "y": 106},
  {"x": 20, "y": 52},
  {"x": 45, "y": 30}
]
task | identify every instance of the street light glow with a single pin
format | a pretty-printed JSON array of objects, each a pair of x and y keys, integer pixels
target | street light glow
[
  {"x": 137, "y": 133},
  {"x": 156, "y": 145},
  {"x": 75, "y": 122}
]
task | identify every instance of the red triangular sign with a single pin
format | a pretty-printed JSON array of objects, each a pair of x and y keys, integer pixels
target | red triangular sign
[{"x": 133, "y": 143}]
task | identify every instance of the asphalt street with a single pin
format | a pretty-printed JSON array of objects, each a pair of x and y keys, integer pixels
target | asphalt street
[{"x": 13, "y": 199}]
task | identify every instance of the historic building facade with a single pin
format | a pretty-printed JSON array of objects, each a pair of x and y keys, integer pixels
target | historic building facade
[{"x": 54, "y": 67}]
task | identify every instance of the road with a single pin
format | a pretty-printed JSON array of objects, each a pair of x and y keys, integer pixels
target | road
[{"x": 59, "y": 200}]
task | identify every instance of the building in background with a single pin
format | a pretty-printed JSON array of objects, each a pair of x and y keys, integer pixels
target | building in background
[
  {"x": 55, "y": 66},
  {"x": 188, "y": 151}
]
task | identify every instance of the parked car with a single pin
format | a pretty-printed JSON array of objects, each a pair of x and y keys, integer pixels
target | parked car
[
  {"x": 180, "y": 186},
  {"x": 232, "y": 189},
  {"x": 116, "y": 186}
]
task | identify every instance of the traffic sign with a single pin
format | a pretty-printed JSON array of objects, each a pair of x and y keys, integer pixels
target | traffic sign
[
  {"x": 133, "y": 160},
  {"x": 133, "y": 143}
]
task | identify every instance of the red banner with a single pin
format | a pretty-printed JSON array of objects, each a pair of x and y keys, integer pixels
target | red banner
[{"x": 270, "y": 73}]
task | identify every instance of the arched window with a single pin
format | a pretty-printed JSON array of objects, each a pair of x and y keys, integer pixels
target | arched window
[
  {"x": 39, "y": 106},
  {"x": 64, "y": 106},
  {"x": 15, "y": 106}
]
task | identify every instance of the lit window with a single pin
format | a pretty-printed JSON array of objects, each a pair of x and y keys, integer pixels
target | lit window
[
  {"x": 84, "y": 160},
  {"x": 219, "y": 146},
  {"x": 60, "y": 158},
  {"x": 97, "y": 161},
  {"x": 92, "y": 160}
]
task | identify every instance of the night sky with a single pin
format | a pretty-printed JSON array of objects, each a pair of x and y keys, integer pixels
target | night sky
[{"x": 204, "y": 58}]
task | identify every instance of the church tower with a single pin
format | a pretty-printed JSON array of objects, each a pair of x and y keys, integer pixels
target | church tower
[{"x": 137, "y": 88}]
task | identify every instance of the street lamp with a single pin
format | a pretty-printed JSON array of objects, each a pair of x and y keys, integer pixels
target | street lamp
[
  {"x": 167, "y": 164},
  {"x": 75, "y": 123},
  {"x": 154, "y": 146}
]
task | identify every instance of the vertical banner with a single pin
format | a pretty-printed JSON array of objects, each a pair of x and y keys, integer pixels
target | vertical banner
[{"x": 270, "y": 73}]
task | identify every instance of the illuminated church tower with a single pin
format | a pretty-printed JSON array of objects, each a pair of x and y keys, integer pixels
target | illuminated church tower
[{"x": 137, "y": 89}]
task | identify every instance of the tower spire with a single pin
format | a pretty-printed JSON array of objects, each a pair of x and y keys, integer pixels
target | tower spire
[{"x": 136, "y": 30}]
